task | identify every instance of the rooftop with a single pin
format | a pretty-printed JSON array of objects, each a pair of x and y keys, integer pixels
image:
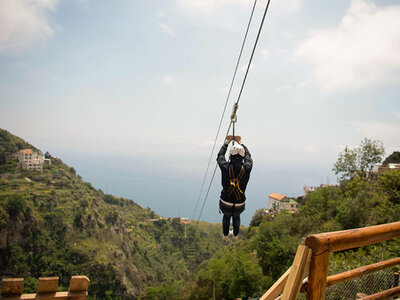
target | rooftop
[
  {"x": 26, "y": 151},
  {"x": 277, "y": 196}
]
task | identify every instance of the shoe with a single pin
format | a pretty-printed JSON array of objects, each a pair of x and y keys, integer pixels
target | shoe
[
  {"x": 235, "y": 237},
  {"x": 225, "y": 238}
]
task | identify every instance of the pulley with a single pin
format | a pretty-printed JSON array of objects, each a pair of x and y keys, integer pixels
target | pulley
[{"x": 234, "y": 120}]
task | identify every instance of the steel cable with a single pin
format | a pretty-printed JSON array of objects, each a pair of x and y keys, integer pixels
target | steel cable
[
  {"x": 237, "y": 101},
  {"x": 226, "y": 103}
]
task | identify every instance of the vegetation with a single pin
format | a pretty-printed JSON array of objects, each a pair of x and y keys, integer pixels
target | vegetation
[
  {"x": 52, "y": 223},
  {"x": 359, "y": 161},
  {"x": 393, "y": 158},
  {"x": 57, "y": 224}
]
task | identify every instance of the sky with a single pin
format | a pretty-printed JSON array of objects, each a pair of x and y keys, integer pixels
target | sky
[{"x": 131, "y": 92}]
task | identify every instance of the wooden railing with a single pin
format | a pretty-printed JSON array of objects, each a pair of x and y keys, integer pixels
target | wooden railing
[
  {"x": 11, "y": 289},
  {"x": 315, "y": 255}
]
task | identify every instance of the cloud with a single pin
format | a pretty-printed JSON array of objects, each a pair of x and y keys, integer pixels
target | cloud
[
  {"x": 23, "y": 23},
  {"x": 209, "y": 6},
  {"x": 244, "y": 67},
  {"x": 362, "y": 51},
  {"x": 208, "y": 143},
  {"x": 397, "y": 114},
  {"x": 287, "y": 6},
  {"x": 286, "y": 87},
  {"x": 265, "y": 53},
  {"x": 166, "y": 29},
  {"x": 387, "y": 132},
  {"x": 311, "y": 149},
  {"x": 168, "y": 79},
  {"x": 226, "y": 14},
  {"x": 230, "y": 14}
]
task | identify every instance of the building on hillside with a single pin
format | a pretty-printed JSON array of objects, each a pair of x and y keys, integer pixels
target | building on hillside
[
  {"x": 30, "y": 160},
  {"x": 277, "y": 202},
  {"x": 309, "y": 189},
  {"x": 291, "y": 205},
  {"x": 378, "y": 170},
  {"x": 389, "y": 167},
  {"x": 185, "y": 221}
]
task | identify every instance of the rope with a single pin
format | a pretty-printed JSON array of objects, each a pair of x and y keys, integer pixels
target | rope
[
  {"x": 233, "y": 120},
  {"x": 226, "y": 103},
  {"x": 236, "y": 105}
]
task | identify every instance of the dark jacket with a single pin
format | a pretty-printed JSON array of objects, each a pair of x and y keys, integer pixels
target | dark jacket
[{"x": 224, "y": 165}]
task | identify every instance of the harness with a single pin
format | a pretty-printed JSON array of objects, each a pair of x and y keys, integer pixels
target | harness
[{"x": 234, "y": 183}]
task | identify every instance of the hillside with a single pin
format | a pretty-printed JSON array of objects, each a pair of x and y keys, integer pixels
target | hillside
[
  {"x": 52, "y": 223},
  {"x": 393, "y": 158},
  {"x": 272, "y": 241}
]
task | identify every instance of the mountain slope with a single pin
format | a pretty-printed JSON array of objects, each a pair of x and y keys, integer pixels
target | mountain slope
[{"x": 52, "y": 223}]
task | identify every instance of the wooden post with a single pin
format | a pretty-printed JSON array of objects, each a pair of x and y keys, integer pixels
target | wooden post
[
  {"x": 317, "y": 276},
  {"x": 47, "y": 289},
  {"x": 296, "y": 276},
  {"x": 277, "y": 288},
  {"x": 12, "y": 286},
  {"x": 79, "y": 284},
  {"x": 47, "y": 285}
]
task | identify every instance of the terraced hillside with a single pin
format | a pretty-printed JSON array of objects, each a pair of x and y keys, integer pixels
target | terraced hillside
[{"x": 52, "y": 223}]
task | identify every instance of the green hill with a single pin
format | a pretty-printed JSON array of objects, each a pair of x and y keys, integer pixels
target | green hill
[{"x": 52, "y": 223}]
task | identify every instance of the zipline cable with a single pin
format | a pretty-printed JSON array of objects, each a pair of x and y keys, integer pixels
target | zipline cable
[
  {"x": 237, "y": 102},
  {"x": 226, "y": 103}
]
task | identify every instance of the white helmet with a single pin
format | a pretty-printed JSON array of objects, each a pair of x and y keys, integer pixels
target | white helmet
[{"x": 237, "y": 149}]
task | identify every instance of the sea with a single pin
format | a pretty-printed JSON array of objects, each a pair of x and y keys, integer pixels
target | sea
[{"x": 177, "y": 192}]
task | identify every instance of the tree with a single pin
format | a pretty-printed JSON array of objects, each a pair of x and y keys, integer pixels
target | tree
[
  {"x": 360, "y": 160},
  {"x": 258, "y": 217},
  {"x": 15, "y": 205},
  {"x": 3, "y": 158},
  {"x": 390, "y": 185}
]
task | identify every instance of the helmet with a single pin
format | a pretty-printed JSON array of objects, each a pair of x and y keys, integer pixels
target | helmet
[{"x": 237, "y": 149}]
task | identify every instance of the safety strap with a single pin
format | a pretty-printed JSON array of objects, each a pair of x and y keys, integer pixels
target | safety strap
[{"x": 234, "y": 183}]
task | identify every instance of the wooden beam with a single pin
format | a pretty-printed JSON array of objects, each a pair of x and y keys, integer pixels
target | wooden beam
[
  {"x": 355, "y": 273},
  {"x": 317, "y": 276},
  {"x": 349, "y": 275},
  {"x": 353, "y": 238},
  {"x": 49, "y": 296},
  {"x": 12, "y": 286},
  {"x": 383, "y": 295},
  {"x": 296, "y": 276},
  {"x": 47, "y": 285},
  {"x": 277, "y": 288}
]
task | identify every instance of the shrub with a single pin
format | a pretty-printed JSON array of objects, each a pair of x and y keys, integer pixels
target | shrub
[{"x": 15, "y": 205}]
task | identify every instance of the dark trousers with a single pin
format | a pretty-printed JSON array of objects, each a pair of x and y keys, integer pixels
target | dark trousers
[{"x": 234, "y": 212}]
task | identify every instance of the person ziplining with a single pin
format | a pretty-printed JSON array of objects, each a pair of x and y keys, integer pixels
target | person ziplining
[
  {"x": 235, "y": 175},
  {"x": 235, "y": 172}
]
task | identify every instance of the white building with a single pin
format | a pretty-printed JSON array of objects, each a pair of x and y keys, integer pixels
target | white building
[
  {"x": 277, "y": 202},
  {"x": 309, "y": 189},
  {"x": 30, "y": 160}
]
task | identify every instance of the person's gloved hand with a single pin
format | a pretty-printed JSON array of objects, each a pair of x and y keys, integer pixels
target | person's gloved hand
[{"x": 228, "y": 139}]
